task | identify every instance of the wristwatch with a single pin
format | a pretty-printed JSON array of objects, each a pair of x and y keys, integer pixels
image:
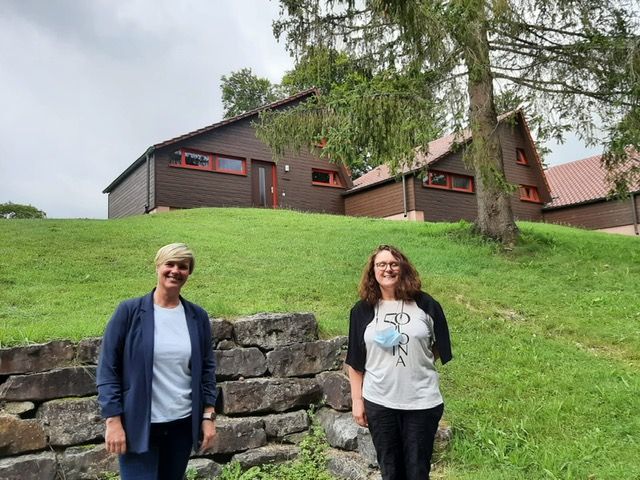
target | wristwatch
[{"x": 209, "y": 416}]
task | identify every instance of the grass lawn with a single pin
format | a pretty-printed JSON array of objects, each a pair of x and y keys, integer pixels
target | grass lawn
[{"x": 545, "y": 379}]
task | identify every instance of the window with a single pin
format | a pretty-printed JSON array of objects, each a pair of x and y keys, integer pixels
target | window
[
  {"x": 208, "y": 161},
  {"x": 191, "y": 159},
  {"x": 449, "y": 181},
  {"x": 232, "y": 165},
  {"x": 327, "y": 178},
  {"x": 529, "y": 193},
  {"x": 521, "y": 157}
]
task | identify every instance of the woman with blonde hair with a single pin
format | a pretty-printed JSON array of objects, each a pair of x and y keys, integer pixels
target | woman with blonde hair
[
  {"x": 396, "y": 332},
  {"x": 156, "y": 376}
]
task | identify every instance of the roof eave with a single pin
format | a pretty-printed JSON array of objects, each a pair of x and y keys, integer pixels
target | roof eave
[
  {"x": 584, "y": 202},
  {"x": 128, "y": 170}
]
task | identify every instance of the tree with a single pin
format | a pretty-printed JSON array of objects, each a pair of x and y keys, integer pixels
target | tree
[
  {"x": 15, "y": 210},
  {"x": 565, "y": 59},
  {"x": 344, "y": 80},
  {"x": 243, "y": 91},
  {"x": 322, "y": 68}
]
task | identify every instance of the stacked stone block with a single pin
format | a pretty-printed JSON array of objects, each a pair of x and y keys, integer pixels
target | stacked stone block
[{"x": 270, "y": 369}]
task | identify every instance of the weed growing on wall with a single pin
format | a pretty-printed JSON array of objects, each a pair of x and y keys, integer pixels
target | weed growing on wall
[{"x": 310, "y": 463}]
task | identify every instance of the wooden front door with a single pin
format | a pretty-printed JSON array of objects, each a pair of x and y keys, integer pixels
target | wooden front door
[{"x": 262, "y": 184}]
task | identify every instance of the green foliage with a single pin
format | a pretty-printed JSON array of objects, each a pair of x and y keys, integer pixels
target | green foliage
[
  {"x": 565, "y": 60},
  {"x": 191, "y": 474},
  {"x": 109, "y": 476},
  {"x": 310, "y": 463},
  {"x": 364, "y": 122},
  {"x": 15, "y": 210},
  {"x": 243, "y": 91},
  {"x": 622, "y": 159},
  {"x": 319, "y": 67},
  {"x": 233, "y": 471}
]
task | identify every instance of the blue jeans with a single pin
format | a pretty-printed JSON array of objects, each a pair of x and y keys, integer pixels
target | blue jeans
[
  {"x": 403, "y": 440},
  {"x": 169, "y": 449}
]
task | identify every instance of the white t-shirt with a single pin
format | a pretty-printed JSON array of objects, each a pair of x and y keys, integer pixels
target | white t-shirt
[
  {"x": 171, "y": 383},
  {"x": 401, "y": 377}
]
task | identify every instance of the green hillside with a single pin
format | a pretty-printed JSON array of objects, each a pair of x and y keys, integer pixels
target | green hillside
[{"x": 546, "y": 337}]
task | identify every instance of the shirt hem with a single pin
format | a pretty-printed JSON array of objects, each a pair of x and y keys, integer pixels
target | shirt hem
[{"x": 402, "y": 406}]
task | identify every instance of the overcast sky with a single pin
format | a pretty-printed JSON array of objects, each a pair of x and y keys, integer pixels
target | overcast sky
[{"x": 87, "y": 85}]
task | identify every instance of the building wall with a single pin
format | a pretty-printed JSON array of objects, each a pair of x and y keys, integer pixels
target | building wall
[
  {"x": 188, "y": 188},
  {"x": 447, "y": 205},
  {"x": 596, "y": 216},
  {"x": 382, "y": 201},
  {"x": 130, "y": 196},
  {"x": 152, "y": 183},
  {"x": 511, "y": 138},
  {"x": 622, "y": 230}
]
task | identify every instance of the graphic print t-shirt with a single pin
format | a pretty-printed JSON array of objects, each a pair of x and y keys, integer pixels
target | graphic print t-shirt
[{"x": 401, "y": 377}]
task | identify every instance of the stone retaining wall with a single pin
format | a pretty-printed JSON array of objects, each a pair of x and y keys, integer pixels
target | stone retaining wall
[{"x": 270, "y": 369}]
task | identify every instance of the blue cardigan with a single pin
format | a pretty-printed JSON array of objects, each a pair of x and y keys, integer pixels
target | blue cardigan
[{"x": 125, "y": 368}]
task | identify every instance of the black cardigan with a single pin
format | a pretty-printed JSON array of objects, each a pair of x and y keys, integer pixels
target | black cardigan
[{"x": 362, "y": 313}]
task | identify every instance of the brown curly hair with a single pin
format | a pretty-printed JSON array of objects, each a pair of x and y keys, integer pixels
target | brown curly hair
[{"x": 408, "y": 287}]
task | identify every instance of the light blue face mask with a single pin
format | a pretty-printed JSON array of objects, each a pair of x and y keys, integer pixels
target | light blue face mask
[{"x": 387, "y": 338}]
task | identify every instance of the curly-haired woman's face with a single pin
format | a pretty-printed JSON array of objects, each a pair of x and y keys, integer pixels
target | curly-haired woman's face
[{"x": 387, "y": 270}]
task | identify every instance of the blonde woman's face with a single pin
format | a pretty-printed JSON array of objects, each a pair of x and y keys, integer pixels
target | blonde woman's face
[{"x": 173, "y": 274}]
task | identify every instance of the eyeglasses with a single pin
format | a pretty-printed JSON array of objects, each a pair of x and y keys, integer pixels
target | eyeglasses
[{"x": 384, "y": 265}]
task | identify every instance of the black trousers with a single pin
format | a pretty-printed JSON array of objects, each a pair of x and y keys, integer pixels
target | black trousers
[
  {"x": 403, "y": 440},
  {"x": 169, "y": 449}
]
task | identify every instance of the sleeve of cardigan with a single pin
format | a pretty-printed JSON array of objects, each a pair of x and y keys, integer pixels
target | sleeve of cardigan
[
  {"x": 109, "y": 372},
  {"x": 209, "y": 391},
  {"x": 441, "y": 331},
  {"x": 356, "y": 349}
]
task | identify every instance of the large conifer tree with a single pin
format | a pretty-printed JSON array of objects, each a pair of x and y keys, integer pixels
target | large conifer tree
[{"x": 572, "y": 63}]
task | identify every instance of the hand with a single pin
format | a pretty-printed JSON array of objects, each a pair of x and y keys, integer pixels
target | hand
[
  {"x": 114, "y": 437},
  {"x": 208, "y": 435},
  {"x": 357, "y": 410}
]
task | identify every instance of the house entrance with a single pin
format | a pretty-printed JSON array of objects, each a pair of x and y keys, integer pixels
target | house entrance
[{"x": 262, "y": 184}]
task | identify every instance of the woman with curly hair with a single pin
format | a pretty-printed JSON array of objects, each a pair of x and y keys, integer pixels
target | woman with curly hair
[{"x": 396, "y": 332}]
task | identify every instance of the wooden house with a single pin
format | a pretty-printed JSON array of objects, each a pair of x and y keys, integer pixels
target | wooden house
[
  {"x": 440, "y": 187},
  {"x": 225, "y": 165},
  {"x": 580, "y": 198}
]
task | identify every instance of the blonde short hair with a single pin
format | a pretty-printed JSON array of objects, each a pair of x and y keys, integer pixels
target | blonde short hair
[{"x": 176, "y": 252}]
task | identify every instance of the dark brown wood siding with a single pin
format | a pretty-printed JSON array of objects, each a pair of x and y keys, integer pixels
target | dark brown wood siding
[
  {"x": 605, "y": 214},
  {"x": 188, "y": 188},
  {"x": 511, "y": 138},
  {"x": 382, "y": 201},
  {"x": 130, "y": 196},
  {"x": 152, "y": 183},
  {"x": 446, "y": 205}
]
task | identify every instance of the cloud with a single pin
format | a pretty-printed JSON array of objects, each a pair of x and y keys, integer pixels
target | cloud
[{"x": 91, "y": 85}]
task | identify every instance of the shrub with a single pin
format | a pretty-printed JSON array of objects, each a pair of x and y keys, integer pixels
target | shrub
[{"x": 15, "y": 210}]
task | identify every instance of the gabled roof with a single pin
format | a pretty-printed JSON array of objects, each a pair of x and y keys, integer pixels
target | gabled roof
[
  {"x": 227, "y": 121},
  {"x": 577, "y": 182},
  {"x": 280, "y": 103},
  {"x": 438, "y": 149}
]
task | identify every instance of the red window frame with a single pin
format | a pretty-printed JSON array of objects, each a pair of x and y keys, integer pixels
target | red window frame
[
  {"x": 334, "y": 178},
  {"x": 183, "y": 161},
  {"x": 226, "y": 170},
  {"x": 449, "y": 186},
  {"x": 529, "y": 193},
  {"x": 214, "y": 162},
  {"x": 521, "y": 157}
]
